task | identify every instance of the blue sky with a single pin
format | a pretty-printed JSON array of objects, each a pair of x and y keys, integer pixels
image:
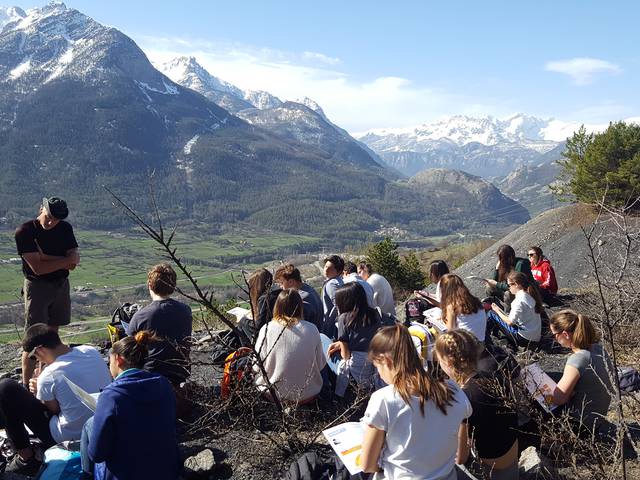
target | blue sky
[{"x": 383, "y": 64}]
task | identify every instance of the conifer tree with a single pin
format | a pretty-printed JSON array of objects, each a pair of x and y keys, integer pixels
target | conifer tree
[{"x": 605, "y": 163}]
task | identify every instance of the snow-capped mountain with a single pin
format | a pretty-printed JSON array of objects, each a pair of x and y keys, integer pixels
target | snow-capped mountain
[
  {"x": 307, "y": 102},
  {"x": 187, "y": 72},
  {"x": 302, "y": 120},
  {"x": 484, "y": 146},
  {"x": 10, "y": 14},
  {"x": 261, "y": 99},
  {"x": 462, "y": 130}
]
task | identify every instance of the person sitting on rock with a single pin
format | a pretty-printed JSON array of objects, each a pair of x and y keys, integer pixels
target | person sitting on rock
[
  {"x": 585, "y": 387},
  {"x": 262, "y": 295},
  {"x": 507, "y": 261},
  {"x": 412, "y": 424},
  {"x": 460, "y": 309},
  {"x": 357, "y": 324},
  {"x": 543, "y": 273},
  {"x": 333, "y": 266},
  {"x": 134, "y": 420},
  {"x": 49, "y": 408},
  {"x": 350, "y": 274},
  {"x": 492, "y": 427},
  {"x": 523, "y": 324},
  {"x": 171, "y": 321},
  {"x": 382, "y": 291},
  {"x": 437, "y": 270},
  {"x": 423, "y": 300},
  {"x": 291, "y": 351},
  {"x": 288, "y": 276}
]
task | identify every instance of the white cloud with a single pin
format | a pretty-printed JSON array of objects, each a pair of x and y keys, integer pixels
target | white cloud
[
  {"x": 558, "y": 130},
  {"x": 320, "y": 57},
  {"x": 583, "y": 70},
  {"x": 354, "y": 104}
]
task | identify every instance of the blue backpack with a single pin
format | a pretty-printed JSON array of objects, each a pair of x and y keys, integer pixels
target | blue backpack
[{"x": 60, "y": 464}]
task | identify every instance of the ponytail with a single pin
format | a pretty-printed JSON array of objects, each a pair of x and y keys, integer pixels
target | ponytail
[
  {"x": 580, "y": 327},
  {"x": 394, "y": 342},
  {"x": 134, "y": 349}
]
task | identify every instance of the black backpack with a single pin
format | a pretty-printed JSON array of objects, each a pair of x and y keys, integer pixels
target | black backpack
[
  {"x": 414, "y": 309},
  {"x": 121, "y": 316}
]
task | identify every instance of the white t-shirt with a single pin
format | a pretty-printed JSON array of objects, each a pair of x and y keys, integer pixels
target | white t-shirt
[
  {"x": 417, "y": 446},
  {"x": 475, "y": 323},
  {"x": 85, "y": 367},
  {"x": 368, "y": 289},
  {"x": 523, "y": 315},
  {"x": 382, "y": 293},
  {"x": 293, "y": 358}
]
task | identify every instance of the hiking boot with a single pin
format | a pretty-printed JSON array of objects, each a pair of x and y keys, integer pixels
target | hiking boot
[{"x": 24, "y": 467}]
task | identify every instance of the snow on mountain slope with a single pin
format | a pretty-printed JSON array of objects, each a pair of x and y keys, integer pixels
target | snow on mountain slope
[
  {"x": 484, "y": 146},
  {"x": 261, "y": 99},
  {"x": 186, "y": 71},
  {"x": 462, "y": 130},
  {"x": 10, "y": 14}
]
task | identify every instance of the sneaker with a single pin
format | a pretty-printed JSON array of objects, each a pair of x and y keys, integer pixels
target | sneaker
[{"x": 24, "y": 467}]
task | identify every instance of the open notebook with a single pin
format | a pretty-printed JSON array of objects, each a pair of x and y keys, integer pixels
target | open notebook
[
  {"x": 540, "y": 385},
  {"x": 346, "y": 440}
]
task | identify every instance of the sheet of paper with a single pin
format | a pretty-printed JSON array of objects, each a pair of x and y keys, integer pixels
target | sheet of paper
[
  {"x": 539, "y": 385},
  {"x": 239, "y": 312},
  {"x": 346, "y": 440},
  {"x": 434, "y": 317},
  {"x": 89, "y": 400}
]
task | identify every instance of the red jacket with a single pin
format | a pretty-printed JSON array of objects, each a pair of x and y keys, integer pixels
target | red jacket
[{"x": 545, "y": 276}]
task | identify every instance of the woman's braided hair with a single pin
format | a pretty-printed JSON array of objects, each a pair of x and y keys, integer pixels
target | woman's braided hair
[{"x": 461, "y": 350}]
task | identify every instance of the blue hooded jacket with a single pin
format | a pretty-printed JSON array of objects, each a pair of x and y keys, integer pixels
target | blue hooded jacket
[{"x": 134, "y": 429}]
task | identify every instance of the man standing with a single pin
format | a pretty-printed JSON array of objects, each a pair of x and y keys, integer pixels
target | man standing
[
  {"x": 382, "y": 291},
  {"x": 288, "y": 276},
  {"x": 48, "y": 250},
  {"x": 332, "y": 270}
]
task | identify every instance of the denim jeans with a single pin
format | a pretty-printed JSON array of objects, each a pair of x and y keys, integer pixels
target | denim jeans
[{"x": 87, "y": 463}]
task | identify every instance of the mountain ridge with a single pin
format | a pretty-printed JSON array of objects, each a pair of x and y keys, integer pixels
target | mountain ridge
[{"x": 91, "y": 110}]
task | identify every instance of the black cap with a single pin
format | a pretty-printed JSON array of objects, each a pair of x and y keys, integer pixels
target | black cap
[{"x": 55, "y": 207}]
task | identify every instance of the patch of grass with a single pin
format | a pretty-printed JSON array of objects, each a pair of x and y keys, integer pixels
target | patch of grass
[
  {"x": 116, "y": 260},
  {"x": 454, "y": 254}
]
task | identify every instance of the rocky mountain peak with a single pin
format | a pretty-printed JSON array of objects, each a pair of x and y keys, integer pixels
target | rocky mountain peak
[
  {"x": 307, "y": 102},
  {"x": 262, "y": 100},
  {"x": 10, "y": 15},
  {"x": 187, "y": 72}
]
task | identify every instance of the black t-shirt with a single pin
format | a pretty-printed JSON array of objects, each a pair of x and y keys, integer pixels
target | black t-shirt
[
  {"x": 171, "y": 320},
  {"x": 358, "y": 337},
  {"x": 492, "y": 424},
  {"x": 56, "y": 241}
]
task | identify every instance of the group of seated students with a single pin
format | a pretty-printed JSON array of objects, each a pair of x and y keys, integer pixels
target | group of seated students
[
  {"x": 421, "y": 421},
  {"x": 135, "y": 416}
]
